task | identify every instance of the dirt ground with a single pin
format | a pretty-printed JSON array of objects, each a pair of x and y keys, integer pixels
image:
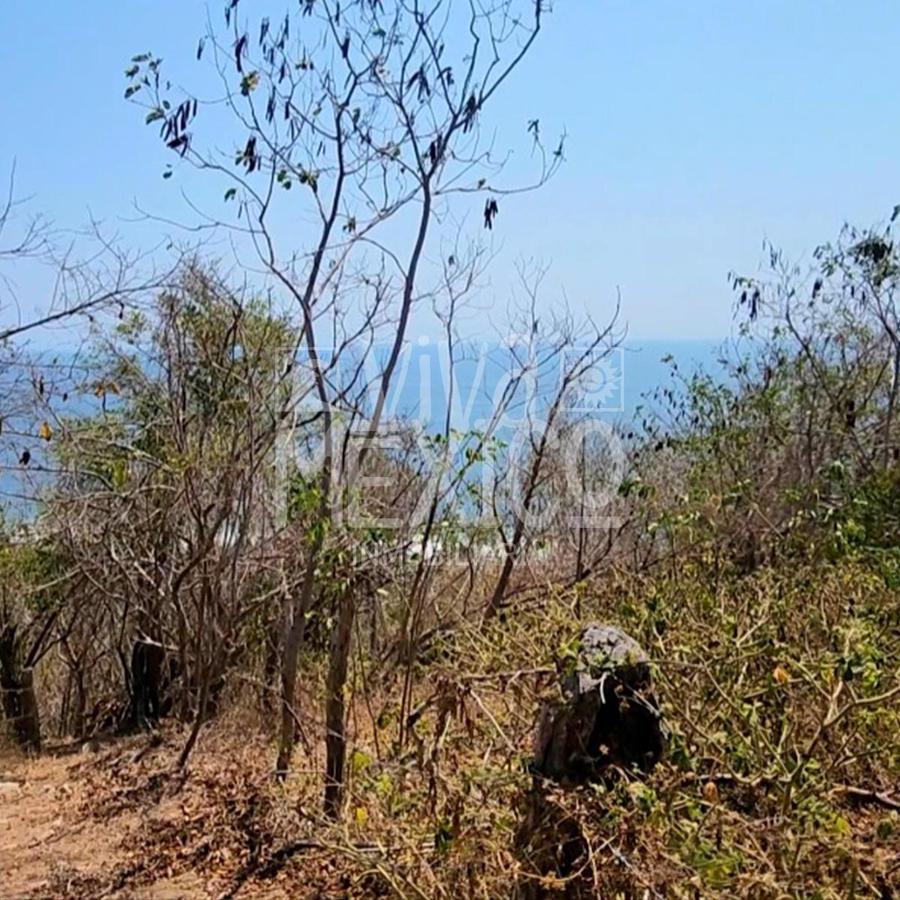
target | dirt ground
[
  {"x": 96, "y": 824},
  {"x": 46, "y": 841}
]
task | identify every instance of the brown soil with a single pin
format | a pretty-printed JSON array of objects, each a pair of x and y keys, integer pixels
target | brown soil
[{"x": 114, "y": 823}]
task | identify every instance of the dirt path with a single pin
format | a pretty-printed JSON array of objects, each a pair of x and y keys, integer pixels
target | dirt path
[
  {"x": 47, "y": 843},
  {"x": 41, "y": 842},
  {"x": 92, "y": 825}
]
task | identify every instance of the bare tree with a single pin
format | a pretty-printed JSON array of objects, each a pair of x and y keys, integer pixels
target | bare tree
[
  {"x": 560, "y": 355},
  {"x": 89, "y": 272},
  {"x": 366, "y": 119},
  {"x": 48, "y": 278},
  {"x": 163, "y": 503}
]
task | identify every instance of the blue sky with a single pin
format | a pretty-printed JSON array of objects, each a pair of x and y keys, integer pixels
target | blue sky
[{"x": 696, "y": 130}]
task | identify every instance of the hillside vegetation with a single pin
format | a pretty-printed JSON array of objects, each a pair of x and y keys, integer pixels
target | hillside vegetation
[{"x": 260, "y": 636}]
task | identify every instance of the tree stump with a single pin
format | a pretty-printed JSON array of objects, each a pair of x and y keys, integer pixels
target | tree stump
[
  {"x": 607, "y": 717},
  {"x": 20, "y": 707}
]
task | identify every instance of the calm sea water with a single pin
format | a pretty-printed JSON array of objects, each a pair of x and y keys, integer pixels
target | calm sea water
[
  {"x": 421, "y": 393},
  {"x": 616, "y": 389}
]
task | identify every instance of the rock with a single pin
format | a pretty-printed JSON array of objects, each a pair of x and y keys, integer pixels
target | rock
[
  {"x": 9, "y": 790},
  {"x": 90, "y": 746},
  {"x": 607, "y": 716}
]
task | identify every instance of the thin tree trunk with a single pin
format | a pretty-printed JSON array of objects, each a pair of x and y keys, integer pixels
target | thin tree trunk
[
  {"x": 295, "y": 627},
  {"x": 892, "y": 404},
  {"x": 336, "y": 735},
  {"x": 30, "y": 723},
  {"x": 199, "y": 718},
  {"x": 509, "y": 562},
  {"x": 272, "y": 659},
  {"x": 582, "y": 537},
  {"x": 78, "y": 716}
]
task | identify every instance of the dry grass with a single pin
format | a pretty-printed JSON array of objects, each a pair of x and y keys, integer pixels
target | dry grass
[{"x": 780, "y": 691}]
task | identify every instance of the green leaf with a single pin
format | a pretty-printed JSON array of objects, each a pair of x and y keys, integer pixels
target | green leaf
[
  {"x": 310, "y": 178},
  {"x": 131, "y": 71},
  {"x": 359, "y": 762},
  {"x": 231, "y": 193},
  {"x": 249, "y": 83},
  {"x": 154, "y": 115},
  {"x": 119, "y": 474},
  {"x": 443, "y": 837}
]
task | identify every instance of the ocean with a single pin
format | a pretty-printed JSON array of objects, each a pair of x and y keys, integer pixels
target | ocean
[{"x": 425, "y": 386}]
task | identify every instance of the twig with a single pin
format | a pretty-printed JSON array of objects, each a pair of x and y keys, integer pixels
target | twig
[{"x": 863, "y": 794}]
